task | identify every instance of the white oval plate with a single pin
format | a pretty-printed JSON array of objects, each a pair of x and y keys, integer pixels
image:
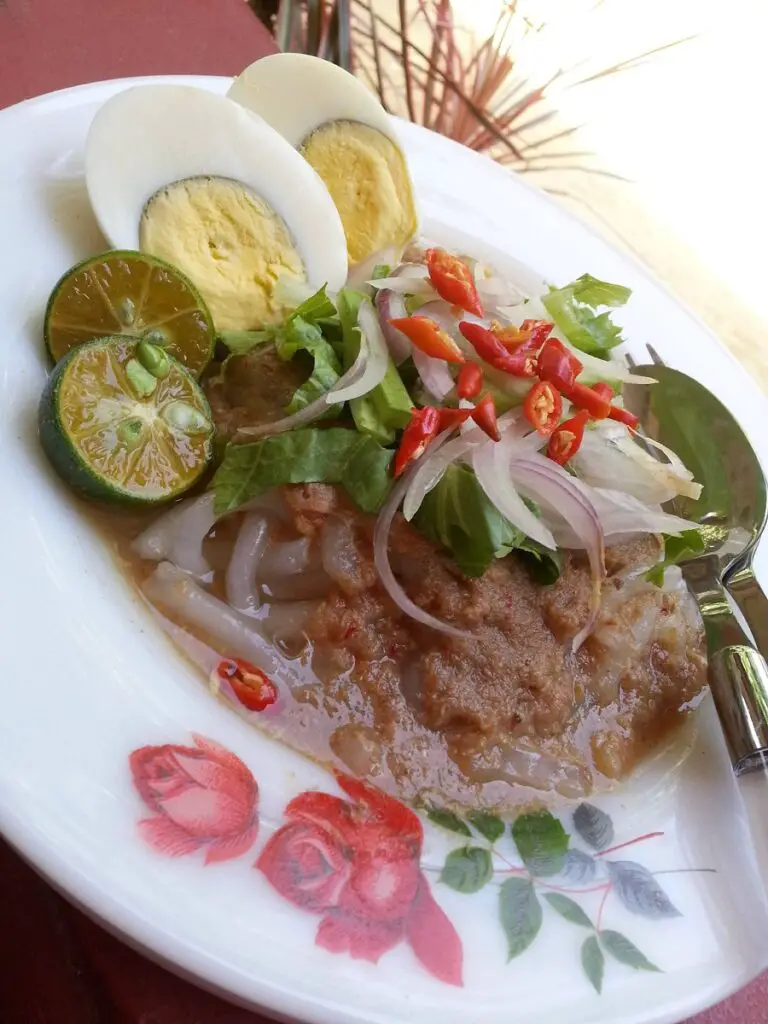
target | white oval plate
[{"x": 87, "y": 679}]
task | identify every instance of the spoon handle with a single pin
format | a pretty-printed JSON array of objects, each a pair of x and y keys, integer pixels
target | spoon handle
[
  {"x": 738, "y": 674},
  {"x": 753, "y": 604}
]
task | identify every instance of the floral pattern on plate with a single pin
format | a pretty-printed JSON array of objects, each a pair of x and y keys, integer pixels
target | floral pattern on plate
[{"x": 355, "y": 861}]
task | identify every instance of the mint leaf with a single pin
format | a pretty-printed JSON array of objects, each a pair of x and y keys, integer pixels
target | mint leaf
[
  {"x": 520, "y": 913},
  {"x": 467, "y": 870},
  {"x": 541, "y": 841},
  {"x": 380, "y": 271},
  {"x": 575, "y": 310},
  {"x": 311, "y": 455},
  {"x": 688, "y": 544}
]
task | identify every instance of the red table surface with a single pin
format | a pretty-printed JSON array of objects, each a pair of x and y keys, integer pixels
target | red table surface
[{"x": 56, "y": 966}]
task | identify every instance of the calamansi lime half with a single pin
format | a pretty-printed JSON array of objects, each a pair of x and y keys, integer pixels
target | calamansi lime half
[
  {"x": 122, "y": 421},
  {"x": 133, "y": 294}
]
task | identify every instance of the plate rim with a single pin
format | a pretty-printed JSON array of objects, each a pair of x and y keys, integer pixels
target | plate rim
[{"x": 137, "y": 930}]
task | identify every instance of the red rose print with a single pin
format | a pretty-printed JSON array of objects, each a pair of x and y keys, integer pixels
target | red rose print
[
  {"x": 201, "y": 796},
  {"x": 356, "y": 864}
]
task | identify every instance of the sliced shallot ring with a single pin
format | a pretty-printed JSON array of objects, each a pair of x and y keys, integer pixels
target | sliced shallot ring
[
  {"x": 384, "y": 569},
  {"x": 434, "y": 374},
  {"x": 375, "y": 359},
  {"x": 391, "y": 306}
]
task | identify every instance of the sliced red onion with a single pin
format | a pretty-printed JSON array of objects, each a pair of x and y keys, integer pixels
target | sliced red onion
[
  {"x": 308, "y": 414},
  {"x": 434, "y": 374},
  {"x": 408, "y": 280},
  {"x": 621, "y": 513},
  {"x": 391, "y": 306},
  {"x": 360, "y": 273},
  {"x": 384, "y": 569},
  {"x": 492, "y": 465},
  {"x": 676, "y": 464},
  {"x": 375, "y": 359},
  {"x": 242, "y": 592},
  {"x": 178, "y": 534},
  {"x": 430, "y": 468},
  {"x": 555, "y": 491}
]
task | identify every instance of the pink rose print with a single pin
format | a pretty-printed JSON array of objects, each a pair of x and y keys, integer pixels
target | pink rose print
[
  {"x": 356, "y": 864},
  {"x": 201, "y": 796}
]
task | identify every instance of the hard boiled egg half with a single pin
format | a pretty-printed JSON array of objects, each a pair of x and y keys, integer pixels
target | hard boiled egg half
[
  {"x": 194, "y": 178},
  {"x": 347, "y": 137}
]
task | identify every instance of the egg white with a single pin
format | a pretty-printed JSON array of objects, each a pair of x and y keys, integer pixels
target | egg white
[{"x": 150, "y": 136}]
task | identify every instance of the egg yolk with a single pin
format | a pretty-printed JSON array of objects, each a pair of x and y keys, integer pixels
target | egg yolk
[
  {"x": 366, "y": 174},
  {"x": 230, "y": 243}
]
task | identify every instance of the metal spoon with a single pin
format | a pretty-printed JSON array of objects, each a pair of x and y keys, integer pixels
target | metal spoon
[{"x": 680, "y": 413}]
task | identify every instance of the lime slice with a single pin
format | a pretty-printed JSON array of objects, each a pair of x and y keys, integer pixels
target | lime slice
[
  {"x": 121, "y": 421},
  {"x": 133, "y": 294}
]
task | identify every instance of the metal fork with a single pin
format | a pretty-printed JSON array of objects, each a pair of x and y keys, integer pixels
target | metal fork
[
  {"x": 731, "y": 513},
  {"x": 739, "y": 577}
]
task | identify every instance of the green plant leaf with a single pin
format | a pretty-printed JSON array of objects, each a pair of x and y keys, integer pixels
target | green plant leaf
[
  {"x": 593, "y": 825},
  {"x": 574, "y": 309},
  {"x": 625, "y": 952},
  {"x": 299, "y": 335},
  {"x": 593, "y": 962},
  {"x": 448, "y": 820},
  {"x": 487, "y": 825},
  {"x": 541, "y": 841},
  {"x": 568, "y": 908},
  {"x": 676, "y": 549},
  {"x": 520, "y": 913},
  {"x": 310, "y": 455},
  {"x": 467, "y": 870}
]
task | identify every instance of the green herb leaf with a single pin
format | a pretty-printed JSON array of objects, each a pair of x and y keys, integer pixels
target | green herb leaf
[
  {"x": 568, "y": 908},
  {"x": 688, "y": 544},
  {"x": 316, "y": 307},
  {"x": 312, "y": 455},
  {"x": 625, "y": 952},
  {"x": 520, "y": 913},
  {"x": 387, "y": 408},
  {"x": 574, "y": 309},
  {"x": 240, "y": 343},
  {"x": 544, "y": 565},
  {"x": 381, "y": 270},
  {"x": 457, "y": 514},
  {"x": 541, "y": 841},
  {"x": 467, "y": 870},
  {"x": 593, "y": 962},
  {"x": 299, "y": 335},
  {"x": 487, "y": 825},
  {"x": 448, "y": 820}
]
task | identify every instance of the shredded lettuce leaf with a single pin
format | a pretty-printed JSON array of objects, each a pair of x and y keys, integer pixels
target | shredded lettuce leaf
[
  {"x": 574, "y": 309},
  {"x": 299, "y": 335},
  {"x": 387, "y": 408},
  {"x": 680, "y": 548},
  {"x": 311, "y": 455},
  {"x": 457, "y": 515}
]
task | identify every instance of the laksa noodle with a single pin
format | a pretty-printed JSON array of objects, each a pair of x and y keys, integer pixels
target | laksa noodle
[{"x": 387, "y": 499}]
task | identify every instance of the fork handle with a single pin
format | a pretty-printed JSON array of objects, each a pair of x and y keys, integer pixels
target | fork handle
[
  {"x": 752, "y": 602},
  {"x": 738, "y": 678}
]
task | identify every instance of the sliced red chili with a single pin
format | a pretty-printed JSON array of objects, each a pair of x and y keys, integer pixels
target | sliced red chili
[
  {"x": 539, "y": 330},
  {"x": 624, "y": 416},
  {"x": 453, "y": 281},
  {"x": 450, "y": 418},
  {"x": 489, "y": 348},
  {"x": 566, "y": 440},
  {"x": 252, "y": 687},
  {"x": 469, "y": 382},
  {"x": 588, "y": 399},
  {"x": 424, "y": 425},
  {"x": 543, "y": 407},
  {"x": 604, "y": 390},
  {"x": 557, "y": 365},
  {"x": 429, "y": 337},
  {"x": 484, "y": 415},
  {"x": 528, "y": 337}
]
